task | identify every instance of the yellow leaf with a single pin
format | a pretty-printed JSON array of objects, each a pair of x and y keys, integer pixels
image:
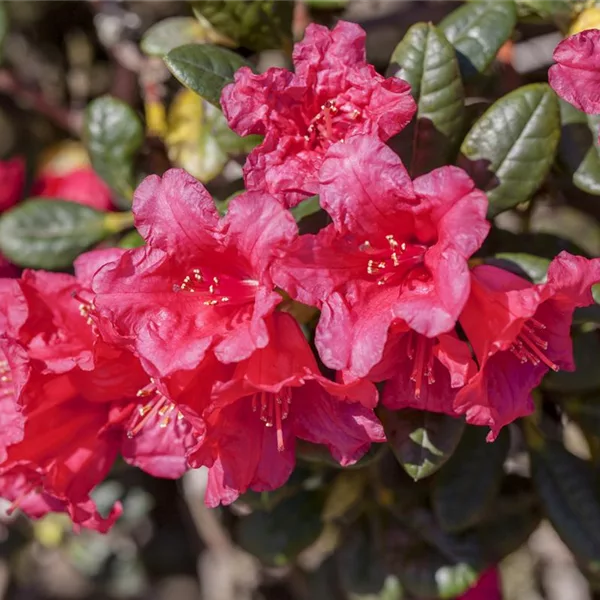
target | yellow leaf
[
  {"x": 588, "y": 19},
  {"x": 190, "y": 140}
]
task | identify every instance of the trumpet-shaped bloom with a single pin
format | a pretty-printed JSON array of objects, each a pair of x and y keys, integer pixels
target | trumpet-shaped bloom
[
  {"x": 200, "y": 283},
  {"x": 333, "y": 95},
  {"x": 397, "y": 251}
]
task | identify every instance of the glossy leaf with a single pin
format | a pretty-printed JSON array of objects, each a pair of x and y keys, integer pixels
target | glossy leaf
[
  {"x": 204, "y": 69},
  {"x": 113, "y": 134},
  {"x": 361, "y": 570},
  {"x": 567, "y": 488},
  {"x": 255, "y": 24},
  {"x": 49, "y": 234},
  {"x": 278, "y": 536},
  {"x": 172, "y": 32},
  {"x": 473, "y": 475},
  {"x": 131, "y": 240},
  {"x": 428, "y": 574},
  {"x": 428, "y": 62},
  {"x": 421, "y": 441},
  {"x": 586, "y": 378},
  {"x": 540, "y": 11},
  {"x": 579, "y": 149},
  {"x": 477, "y": 30},
  {"x": 510, "y": 149},
  {"x": 533, "y": 267}
]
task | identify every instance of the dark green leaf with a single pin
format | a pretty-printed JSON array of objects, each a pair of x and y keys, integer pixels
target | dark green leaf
[
  {"x": 586, "y": 378},
  {"x": 473, "y": 474},
  {"x": 428, "y": 62},
  {"x": 567, "y": 488},
  {"x": 579, "y": 149},
  {"x": 255, "y": 24},
  {"x": 327, "y": 4},
  {"x": 49, "y": 234},
  {"x": 3, "y": 26},
  {"x": 545, "y": 8},
  {"x": 278, "y": 536},
  {"x": 306, "y": 208},
  {"x": 427, "y": 574},
  {"x": 319, "y": 454},
  {"x": 113, "y": 134},
  {"x": 477, "y": 30},
  {"x": 170, "y": 33},
  {"x": 204, "y": 69},
  {"x": 510, "y": 149},
  {"x": 585, "y": 412},
  {"x": 534, "y": 267},
  {"x": 421, "y": 441},
  {"x": 132, "y": 240},
  {"x": 361, "y": 570}
]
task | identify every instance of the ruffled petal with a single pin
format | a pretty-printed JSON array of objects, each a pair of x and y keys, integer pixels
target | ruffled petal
[
  {"x": 365, "y": 188},
  {"x": 576, "y": 76},
  {"x": 175, "y": 213},
  {"x": 347, "y": 429}
]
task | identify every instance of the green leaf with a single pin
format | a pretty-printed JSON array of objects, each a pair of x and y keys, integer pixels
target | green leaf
[
  {"x": 49, "y": 234},
  {"x": 421, "y": 441},
  {"x": 131, "y": 240},
  {"x": 534, "y": 267},
  {"x": 327, "y": 4},
  {"x": 477, "y": 30},
  {"x": 510, "y": 149},
  {"x": 545, "y": 8},
  {"x": 361, "y": 571},
  {"x": 473, "y": 474},
  {"x": 428, "y": 62},
  {"x": 204, "y": 69},
  {"x": 586, "y": 378},
  {"x": 170, "y": 33},
  {"x": 278, "y": 536},
  {"x": 579, "y": 150},
  {"x": 585, "y": 412},
  {"x": 113, "y": 135},
  {"x": 567, "y": 488},
  {"x": 426, "y": 573},
  {"x": 4, "y": 23},
  {"x": 306, "y": 208},
  {"x": 320, "y": 455},
  {"x": 254, "y": 24}
]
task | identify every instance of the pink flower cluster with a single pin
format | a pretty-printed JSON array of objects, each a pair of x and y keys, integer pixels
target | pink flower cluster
[{"x": 185, "y": 352}]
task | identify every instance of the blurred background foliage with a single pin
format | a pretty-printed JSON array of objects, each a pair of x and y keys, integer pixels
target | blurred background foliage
[{"x": 100, "y": 82}]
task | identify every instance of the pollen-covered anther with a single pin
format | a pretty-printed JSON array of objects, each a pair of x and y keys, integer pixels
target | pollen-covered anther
[
  {"x": 420, "y": 351},
  {"x": 188, "y": 280},
  {"x": 529, "y": 347},
  {"x": 274, "y": 409}
]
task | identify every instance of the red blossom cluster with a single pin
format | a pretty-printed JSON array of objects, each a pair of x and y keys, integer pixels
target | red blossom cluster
[{"x": 185, "y": 352}]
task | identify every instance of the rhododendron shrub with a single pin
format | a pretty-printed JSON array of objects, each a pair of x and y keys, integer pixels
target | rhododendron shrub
[{"x": 346, "y": 348}]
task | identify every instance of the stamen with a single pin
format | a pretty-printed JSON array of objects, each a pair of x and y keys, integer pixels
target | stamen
[
  {"x": 274, "y": 410},
  {"x": 530, "y": 347},
  {"x": 159, "y": 406},
  {"x": 18, "y": 501},
  {"x": 420, "y": 348}
]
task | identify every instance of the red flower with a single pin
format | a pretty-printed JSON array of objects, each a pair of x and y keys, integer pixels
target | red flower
[
  {"x": 488, "y": 587},
  {"x": 576, "y": 76},
  {"x": 518, "y": 331},
  {"x": 12, "y": 182},
  {"x": 425, "y": 373},
  {"x": 261, "y": 405},
  {"x": 396, "y": 251},
  {"x": 80, "y": 401},
  {"x": 80, "y": 185},
  {"x": 200, "y": 282},
  {"x": 333, "y": 95}
]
